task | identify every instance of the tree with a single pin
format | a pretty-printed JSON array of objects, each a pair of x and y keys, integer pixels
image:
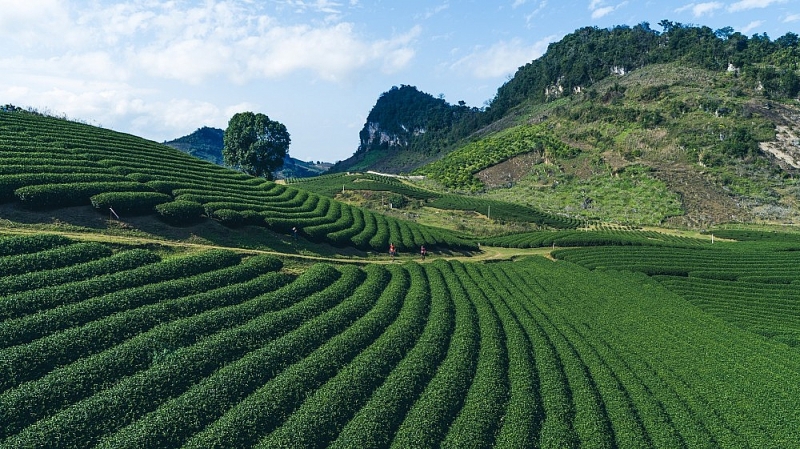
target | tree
[{"x": 255, "y": 144}]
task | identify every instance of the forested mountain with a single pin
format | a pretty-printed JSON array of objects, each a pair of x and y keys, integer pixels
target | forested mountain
[
  {"x": 592, "y": 54},
  {"x": 423, "y": 127},
  {"x": 406, "y": 127},
  {"x": 688, "y": 125}
]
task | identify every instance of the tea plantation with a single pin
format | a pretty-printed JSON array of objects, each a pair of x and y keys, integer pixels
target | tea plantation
[
  {"x": 48, "y": 163},
  {"x": 119, "y": 347},
  {"x": 619, "y": 338}
]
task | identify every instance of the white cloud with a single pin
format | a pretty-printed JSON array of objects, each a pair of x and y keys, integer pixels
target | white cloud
[
  {"x": 595, "y": 4},
  {"x": 752, "y": 26},
  {"x": 792, "y": 18},
  {"x": 599, "y": 9},
  {"x": 602, "y": 12},
  {"x": 331, "y": 52},
  {"x": 195, "y": 43},
  {"x": 120, "y": 61},
  {"x": 744, "y": 5},
  {"x": 501, "y": 59},
  {"x": 535, "y": 12},
  {"x": 430, "y": 12},
  {"x": 702, "y": 9},
  {"x": 518, "y": 3}
]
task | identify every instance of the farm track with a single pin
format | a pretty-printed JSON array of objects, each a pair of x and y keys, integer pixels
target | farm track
[{"x": 487, "y": 253}]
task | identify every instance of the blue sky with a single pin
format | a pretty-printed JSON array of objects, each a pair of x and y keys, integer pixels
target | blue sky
[{"x": 161, "y": 69}]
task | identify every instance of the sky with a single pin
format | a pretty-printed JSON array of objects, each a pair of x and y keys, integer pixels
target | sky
[{"x": 161, "y": 69}]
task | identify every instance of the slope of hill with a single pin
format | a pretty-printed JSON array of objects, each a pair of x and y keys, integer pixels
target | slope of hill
[
  {"x": 688, "y": 126},
  {"x": 50, "y": 163},
  {"x": 117, "y": 346},
  {"x": 136, "y": 341},
  {"x": 206, "y": 143}
]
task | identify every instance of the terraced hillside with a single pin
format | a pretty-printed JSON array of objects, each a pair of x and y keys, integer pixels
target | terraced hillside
[
  {"x": 114, "y": 346},
  {"x": 48, "y": 163},
  {"x": 333, "y": 184}
]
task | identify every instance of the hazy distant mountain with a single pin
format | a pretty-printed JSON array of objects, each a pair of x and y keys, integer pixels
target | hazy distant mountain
[{"x": 206, "y": 143}]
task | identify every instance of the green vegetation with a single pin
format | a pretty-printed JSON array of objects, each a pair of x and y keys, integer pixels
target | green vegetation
[
  {"x": 630, "y": 195},
  {"x": 135, "y": 177},
  {"x": 113, "y": 336},
  {"x": 255, "y": 144},
  {"x": 219, "y": 350},
  {"x": 456, "y": 170},
  {"x": 593, "y": 237},
  {"x": 396, "y": 194}
]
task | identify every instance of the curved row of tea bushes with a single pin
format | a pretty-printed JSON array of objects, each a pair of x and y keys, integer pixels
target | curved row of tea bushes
[
  {"x": 590, "y": 238},
  {"x": 499, "y": 210},
  {"x": 529, "y": 353},
  {"x": 134, "y": 176},
  {"x": 304, "y": 360},
  {"x": 176, "y": 372},
  {"x": 479, "y": 420},
  {"x": 377, "y": 421},
  {"x": 724, "y": 261},
  {"x": 121, "y": 261},
  {"x": 25, "y": 244},
  {"x": 129, "y": 203},
  {"x": 427, "y": 422},
  {"x": 322, "y": 416},
  {"x": 26, "y": 303},
  {"x": 523, "y": 411},
  {"x": 249, "y": 327},
  {"x": 58, "y": 257},
  {"x": 132, "y": 346}
]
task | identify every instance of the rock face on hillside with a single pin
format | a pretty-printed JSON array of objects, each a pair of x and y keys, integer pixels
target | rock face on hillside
[{"x": 786, "y": 146}]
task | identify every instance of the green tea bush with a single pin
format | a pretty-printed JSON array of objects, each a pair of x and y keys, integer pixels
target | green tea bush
[
  {"x": 129, "y": 203},
  {"x": 47, "y": 196},
  {"x": 180, "y": 213}
]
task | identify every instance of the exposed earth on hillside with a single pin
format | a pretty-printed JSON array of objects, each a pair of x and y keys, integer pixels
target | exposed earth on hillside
[
  {"x": 786, "y": 147},
  {"x": 509, "y": 171},
  {"x": 705, "y": 203}
]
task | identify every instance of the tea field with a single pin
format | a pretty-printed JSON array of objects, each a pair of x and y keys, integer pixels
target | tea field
[
  {"x": 115, "y": 346},
  {"x": 610, "y": 337}
]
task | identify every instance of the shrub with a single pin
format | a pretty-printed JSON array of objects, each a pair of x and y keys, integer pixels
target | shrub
[
  {"x": 230, "y": 218},
  {"x": 180, "y": 213},
  {"x": 129, "y": 203},
  {"x": 47, "y": 196}
]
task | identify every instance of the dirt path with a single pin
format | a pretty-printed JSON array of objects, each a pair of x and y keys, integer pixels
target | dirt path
[{"x": 486, "y": 254}]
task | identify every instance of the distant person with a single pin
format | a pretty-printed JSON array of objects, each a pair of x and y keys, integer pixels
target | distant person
[
  {"x": 294, "y": 232},
  {"x": 392, "y": 250},
  {"x": 423, "y": 252}
]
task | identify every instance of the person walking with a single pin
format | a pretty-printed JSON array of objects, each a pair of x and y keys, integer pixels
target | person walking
[
  {"x": 423, "y": 252},
  {"x": 392, "y": 250}
]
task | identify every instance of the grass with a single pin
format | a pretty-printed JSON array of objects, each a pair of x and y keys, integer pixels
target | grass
[{"x": 630, "y": 196}]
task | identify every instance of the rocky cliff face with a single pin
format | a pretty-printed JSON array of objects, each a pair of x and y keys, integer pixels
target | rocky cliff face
[{"x": 376, "y": 137}]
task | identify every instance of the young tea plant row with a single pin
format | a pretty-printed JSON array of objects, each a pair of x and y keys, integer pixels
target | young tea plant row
[
  {"x": 456, "y": 170},
  {"x": 602, "y": 237},
  {"x": 747, "y": 284},
  {"x": 230, "y": 351},
  {"x": 127, "y": 176},
  {"x": 333, "y": 184}
]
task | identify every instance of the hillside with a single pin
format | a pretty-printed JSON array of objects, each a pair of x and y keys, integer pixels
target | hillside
[
  {"x": 687, "y": 127},
  {"x": 206, "y": 144},
  {"x": 53, "y": 164},
  {"x": 151, "y": 299}
]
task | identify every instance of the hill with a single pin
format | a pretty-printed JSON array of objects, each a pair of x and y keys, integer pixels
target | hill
[
  {"x": 50, "y": 164},
  {"x": 196, "y": 319},
  {"x": 206, "y": 143},
  {"x": 687, "y": 127}
]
